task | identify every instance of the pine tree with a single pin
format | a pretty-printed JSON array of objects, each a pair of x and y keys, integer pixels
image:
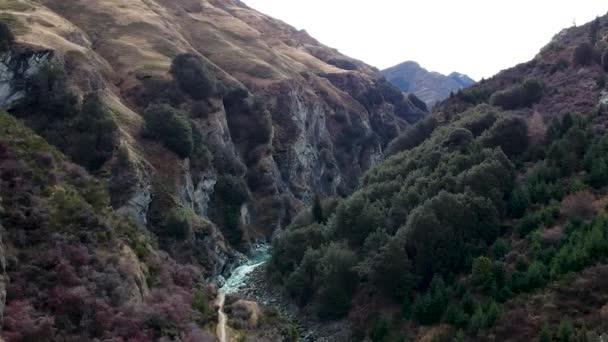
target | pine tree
[
  {"x": 566, "y": 331},
  {"x": 317, "y": 210},
  {"x": 545, "y": 334}
]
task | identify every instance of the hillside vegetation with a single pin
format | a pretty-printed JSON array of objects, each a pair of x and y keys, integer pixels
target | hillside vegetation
[
  {"x": 146, "y": 146},
  {"x": 480, "y": 218}
]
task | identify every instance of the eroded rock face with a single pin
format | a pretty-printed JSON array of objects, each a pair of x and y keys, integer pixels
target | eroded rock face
[
  {"x": 16, "y": 66},
  {"x": 325, "y": 118}
]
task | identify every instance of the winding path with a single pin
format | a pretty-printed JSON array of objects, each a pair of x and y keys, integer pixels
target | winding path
[
  {"x": 221, "y": 324},
  {"x": 237, "y": 279}
]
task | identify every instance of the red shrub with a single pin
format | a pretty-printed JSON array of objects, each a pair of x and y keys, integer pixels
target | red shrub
[
  {"x": 579, "y": 205},
  {"x": 20, "y": 324},
  {"x": 78, "y": 255}
]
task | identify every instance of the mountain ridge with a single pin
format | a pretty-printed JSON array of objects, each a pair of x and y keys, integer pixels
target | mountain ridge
[{"x": 429, "y": 86}]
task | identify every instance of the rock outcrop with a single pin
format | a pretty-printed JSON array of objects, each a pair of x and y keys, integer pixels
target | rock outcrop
[
  {"x": 14, "y": 68},
  {"x": 324, "y": 118}
]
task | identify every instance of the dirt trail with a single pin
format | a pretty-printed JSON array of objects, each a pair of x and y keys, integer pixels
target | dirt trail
[
  {"x": 221, "y": 324},
  {"x": 238, "y": 278}
]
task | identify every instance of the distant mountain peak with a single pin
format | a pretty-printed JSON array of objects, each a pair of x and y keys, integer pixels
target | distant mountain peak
[{"x": 429, "y": 86}]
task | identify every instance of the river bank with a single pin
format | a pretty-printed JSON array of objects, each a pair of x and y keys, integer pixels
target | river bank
[{"x": 257, "y": 288}]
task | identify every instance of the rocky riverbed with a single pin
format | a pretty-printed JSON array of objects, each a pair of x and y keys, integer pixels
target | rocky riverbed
[{"x": 257, "y": 288}]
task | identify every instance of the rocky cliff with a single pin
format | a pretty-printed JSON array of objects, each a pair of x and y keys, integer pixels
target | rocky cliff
[
  {"x": 255, "y": 118},
  {"x": 431, "y": 87},
  {"x": 326, "y": 117}
]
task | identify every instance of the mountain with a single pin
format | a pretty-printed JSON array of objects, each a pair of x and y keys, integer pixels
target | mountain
[
  {"x": 486, "y": 221},
  {"x": 148, "y": 144},
  {"x": 430, "y": 87}
]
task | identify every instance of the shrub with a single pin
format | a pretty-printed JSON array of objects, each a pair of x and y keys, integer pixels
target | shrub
[
  {"x": 95, "y": 134},
  {"x": 429, "y": 308},
  {"x": 317, "y": 210},
  {"x": 483, "y": 271},
  {"x": 605, "y": 60},
  {"x": 231, "y": 190},
  {"x": 6, "y": 37},
  {"x": 193, "y": 76},
  {"x": 474, "y": 95},
  {"x": 380, "y": 330},
  {"x": 171, "y": 127},
  {"x": 545, "y": 334},
  {"x": 565, "y": 332},
  {"x": 178, "y": 223},
  {"x": 583, "y": 54},
  {"x": 356, "y": 218},
  {"x": 510, "y": 134},
  {"x": 391, "y": 271},
  {"x": 578, "y": 205},
  {"x": 412, "y": 136},
  {"x": 518, "y": 96},
  {"x": 500, "y": 248},
  {"x": 336, "y": 271},
  {"x": 49, "y": 94}
]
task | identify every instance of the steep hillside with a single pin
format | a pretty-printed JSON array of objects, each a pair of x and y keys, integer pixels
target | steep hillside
[
  {"x": 430, "y": 87},
  {"x": 271, "y": 109},
  {"x": 487, "y": 222},
  {"x": 204, "y": 126}
]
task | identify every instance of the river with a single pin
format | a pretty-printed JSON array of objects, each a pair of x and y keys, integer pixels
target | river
[{"x": 237, "y": 279}]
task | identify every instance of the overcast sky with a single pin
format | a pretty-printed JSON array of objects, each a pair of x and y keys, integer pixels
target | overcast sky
[{"x": 476, "y": 37}]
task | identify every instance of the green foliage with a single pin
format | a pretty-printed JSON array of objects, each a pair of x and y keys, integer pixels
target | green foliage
[
  {"x": 545, "y": 334},
  {"x": 338, "y": 279},
  {"x": 500, "y": 249},
  {"x": 232, "y": 190},
  {"x": 596, "y": 162},
  {"x": 170, "y": 126},
  {"x": 474, "y": 95},
  {"x": 584, "y": 246},
  {"x": 200, "y": 304},
  {"x": 7, "y": 38},
  {"x": 437, "y": 233},
  {"x": 86, "y": 133},
  {"x": 483, "y": 271},
  {"x": 519, "y": 201},
  {"x": 300, "y": 284},
  {"x": 380, "y": 330},
  {"x": 232, "y": 224},
  {"x": 391, "y": 271},
  {"x": 193, "y": 76},
  {"x": 178, "y": 223},
  {"x": 565, "y": 333},
  {"x": 95, "y": 134},
  {"x": 412, "y": 136},
  {"x": 49, "y": 94},
  {"x": 519, "y": 96},
  {"x": 356, "y": 218},
  {"x": 430, "y": 307},
  {"x": 317, "y": 210},
  {"x": 423, "y": 215},
  {"x": 510, "y": 134},
  {"x": 484, "y": 316},
  {"x": 289, "y": 247}
]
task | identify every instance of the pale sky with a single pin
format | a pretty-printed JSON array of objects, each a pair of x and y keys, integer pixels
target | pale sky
[{"x": 475, "y": 37}]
